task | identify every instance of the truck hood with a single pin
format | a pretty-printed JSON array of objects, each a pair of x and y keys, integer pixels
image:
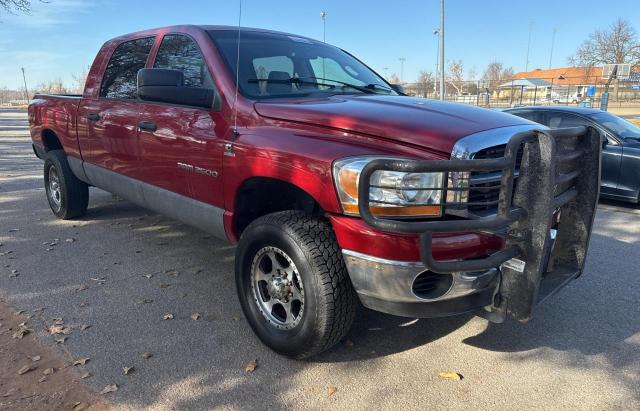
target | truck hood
[{"x": 431, "y": 124}]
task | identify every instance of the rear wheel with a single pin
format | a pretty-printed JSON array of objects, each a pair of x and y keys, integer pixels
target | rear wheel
[
  {"x": 293, "y": 284},
  {"x": 68, "y": 196}
]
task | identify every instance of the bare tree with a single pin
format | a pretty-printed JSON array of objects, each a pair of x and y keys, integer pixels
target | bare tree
[
  {"x": 455, "y": 75},
  {"x": 78, "y": 81},
  {"x": 15, "y": 6},
  {"x": 52, "y": 87},
  {"x": 494, "y": 74},
  {"x": 394, "y": 79},
  {"x": 424, "y": 84},
  {"x": 617, "y": 44}
]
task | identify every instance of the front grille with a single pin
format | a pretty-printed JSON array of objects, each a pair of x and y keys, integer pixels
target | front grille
[{"x": 484, "y": 188}]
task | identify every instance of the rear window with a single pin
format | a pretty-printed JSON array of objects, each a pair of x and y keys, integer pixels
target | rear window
[{"x": 120, "y": 76}]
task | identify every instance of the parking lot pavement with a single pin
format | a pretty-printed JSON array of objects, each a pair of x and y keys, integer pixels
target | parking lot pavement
[{"x": 121, "y": 268}]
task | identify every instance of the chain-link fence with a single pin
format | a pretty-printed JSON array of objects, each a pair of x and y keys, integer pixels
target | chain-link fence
[{"x": 582, "y": 91}]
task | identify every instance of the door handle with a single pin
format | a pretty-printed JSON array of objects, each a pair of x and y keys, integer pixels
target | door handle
[
  {"x": 147, "y": 126},
  {"x": 93, "y": 117}
]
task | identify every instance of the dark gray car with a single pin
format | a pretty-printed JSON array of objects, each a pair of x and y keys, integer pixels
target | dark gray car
[{"x": 621, "y": 145}]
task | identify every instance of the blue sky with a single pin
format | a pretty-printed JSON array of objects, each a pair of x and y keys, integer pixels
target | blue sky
[{"x": 61, "y": 37}]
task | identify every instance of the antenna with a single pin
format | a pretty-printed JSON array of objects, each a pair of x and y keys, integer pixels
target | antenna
[{"x": 235, "y": 100}]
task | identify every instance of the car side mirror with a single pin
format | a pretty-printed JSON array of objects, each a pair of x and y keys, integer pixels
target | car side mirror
[
  {"x": 604, "y": 140},
  {"x": 167, "y": 86},
  {"x": 398, "y": 88}
]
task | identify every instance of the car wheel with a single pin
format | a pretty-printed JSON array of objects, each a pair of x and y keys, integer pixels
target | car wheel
[
  {"x": 68, "y": 196},
  {"x": 293, "y": 284}
]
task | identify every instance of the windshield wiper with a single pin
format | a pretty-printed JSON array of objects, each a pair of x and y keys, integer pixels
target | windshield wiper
[
  {"x": 301, "y": 80},
  {"x": 364, "y": 89}
]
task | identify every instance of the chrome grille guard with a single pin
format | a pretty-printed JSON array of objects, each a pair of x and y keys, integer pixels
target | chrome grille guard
[{"x": 560, "y": 172}]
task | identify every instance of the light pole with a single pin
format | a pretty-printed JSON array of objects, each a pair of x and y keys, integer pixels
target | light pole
[
  {"x": 402, "y": 60},
  {"x": 526, "y": 66},
  {"x": 323, "y": 16},
  {"x": 553, "y": 42},
  {"x": 436, "y": 33},
  {"x": 441, "y": 49},
  {"x": 26, "y": 90}
]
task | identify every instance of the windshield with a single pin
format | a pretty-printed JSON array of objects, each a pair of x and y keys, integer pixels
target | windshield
[
  {"x": 619, "y": 126},
  {"x": 276, "y": 65}
]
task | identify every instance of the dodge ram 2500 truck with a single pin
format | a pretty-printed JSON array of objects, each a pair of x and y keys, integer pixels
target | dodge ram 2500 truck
[{"x": 337, "y": 189}]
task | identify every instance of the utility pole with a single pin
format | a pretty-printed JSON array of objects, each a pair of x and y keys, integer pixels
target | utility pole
[
  {"x": 436, "y": 32},
  {"x": 402, "y": 60},
  {"x": 441, "y": 49},
  {"x": 26, "y": 90},
  {"x": 526, "y": 66},
  {"x": 323, "y": 16},
  {"x": 553, "y": 42}
]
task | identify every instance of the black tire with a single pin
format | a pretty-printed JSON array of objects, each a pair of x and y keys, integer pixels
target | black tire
[
  {"x": 70, "y": 197},
  {"x": 329, "y": 299}
]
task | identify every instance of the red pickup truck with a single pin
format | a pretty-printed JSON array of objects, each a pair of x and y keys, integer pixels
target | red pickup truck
[{"x": 336, "y": 187}]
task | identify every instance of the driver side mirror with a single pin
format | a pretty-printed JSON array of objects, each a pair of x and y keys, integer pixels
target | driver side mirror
[
  {"x": 398, "y": 88},
  {"x": 167, "y": 86},
  {"x": 604, "y": 139}
]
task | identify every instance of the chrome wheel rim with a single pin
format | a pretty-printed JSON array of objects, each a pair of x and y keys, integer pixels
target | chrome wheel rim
[
  {"x": 55, "y": 193},
  {"x": 277, "y": 288}
]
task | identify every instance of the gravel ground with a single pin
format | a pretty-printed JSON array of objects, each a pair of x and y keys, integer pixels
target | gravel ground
[{"x": 121, "y": 268}]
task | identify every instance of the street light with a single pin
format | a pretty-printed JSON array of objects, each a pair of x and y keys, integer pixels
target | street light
[
  {"x": 323, "y": 16},
  {"x": 436, "y": 33},
  {"x": 441, "y": 49}
]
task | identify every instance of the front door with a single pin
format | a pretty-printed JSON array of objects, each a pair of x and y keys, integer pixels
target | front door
[{"x": 180, "y": 148}]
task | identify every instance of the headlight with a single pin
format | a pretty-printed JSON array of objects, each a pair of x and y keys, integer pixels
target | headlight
[{"x": 392, "y": 193}]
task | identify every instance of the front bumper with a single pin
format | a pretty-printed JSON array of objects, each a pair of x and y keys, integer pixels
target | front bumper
[
  {"x": 559, "y": 174},
  {"x": 397, "y": 287}
]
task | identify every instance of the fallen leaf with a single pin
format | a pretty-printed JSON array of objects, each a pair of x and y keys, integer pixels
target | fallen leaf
[
  {"x": 236, "y": 318},
  {"x": 84, "y": 327},
  {"x": 85, "y": 375},
  {"x": 452, "y": 376},
  {"x": 80, "y": 406},
  {"x": 82, "y": 287},
  {"x": 251, "y": 366},
  {"x": 331, "y": 390},
  {"x": 21, "y": 332},
  {"x": 81, "y": 361},
  {"x": 61, "y": 340},
  {"x": 146, "y": 355},
  {"x": 168, "y": 317},
  {"x": 26, "y": 368},
  {"x": 35, "y": 358},
  {"x": 195, "y": 316},
  {"x": 58, "y": 321},
  {"x": 109, "y": 388},
  {"x": 127, "y": 370},
  {"x": 148, "y": 275},
  {"x": 57, "y": 329},
  {"x": 8, "y": 393},
  {"x": 172, "y": 273},
  {"x": 48, "y": 371},
  {"x": 164, "y": 285},
  {"x": 70, "y": 240}
]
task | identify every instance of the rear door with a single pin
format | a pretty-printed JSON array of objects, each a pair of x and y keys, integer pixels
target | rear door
[
  {"x": 611, "y": 152},
  {"x": 110, "y": 120},
  {"x": 183, "y": 152}
]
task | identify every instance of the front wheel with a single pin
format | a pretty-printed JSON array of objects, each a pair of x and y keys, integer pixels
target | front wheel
[
  {"x": 293, "y": 284},
  {"x": 68, "y": 196}
]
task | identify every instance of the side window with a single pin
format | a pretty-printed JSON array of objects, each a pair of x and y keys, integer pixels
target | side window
[
  {"x": 529, "y": 115},
  {"x": 120, "y": 76},
  {"x": 559, "y": 120},
  {"x": 178, "y": 52}
]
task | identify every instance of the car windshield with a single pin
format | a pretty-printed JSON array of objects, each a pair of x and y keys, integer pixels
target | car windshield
[
  {"x": 274, "y": 65},
  {"x": 619, "y": 126}
]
